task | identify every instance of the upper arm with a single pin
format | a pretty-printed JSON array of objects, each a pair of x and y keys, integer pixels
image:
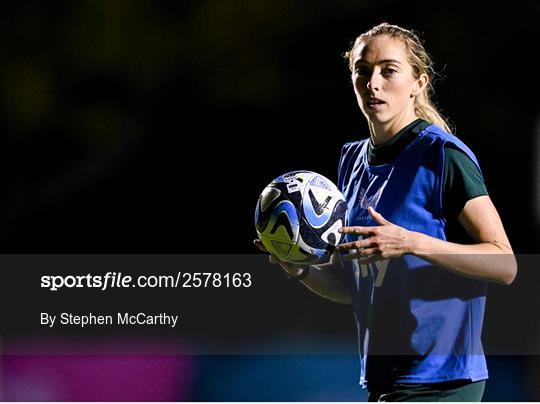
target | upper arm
[
  {"x": 482, "y": 222},
  {"x": 463, "y": 180}
]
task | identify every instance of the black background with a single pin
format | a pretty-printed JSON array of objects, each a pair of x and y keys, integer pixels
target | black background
[{"x": 152, "y": 127}]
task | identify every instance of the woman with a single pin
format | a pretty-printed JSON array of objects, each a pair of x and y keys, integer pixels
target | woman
[{"x": 415, "y": 194}]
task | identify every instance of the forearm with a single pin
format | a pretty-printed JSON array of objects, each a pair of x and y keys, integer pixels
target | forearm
[
  {"x": 322, "y": 279},
  {"x": 326, "y": 283},
  {"x": 489, "y": 261}
]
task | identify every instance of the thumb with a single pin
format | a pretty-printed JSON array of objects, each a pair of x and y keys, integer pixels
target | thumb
[
  {"x": 377, "y": 216},
  {"x": 258, "y": 243}
]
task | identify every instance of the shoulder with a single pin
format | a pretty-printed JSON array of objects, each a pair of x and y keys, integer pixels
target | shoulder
[
  {"x": 352, "y": 146},
  {"x": 349, "y": 150},
  {"x": 458, "y": 149},
  {"x": 349, "y": 154},
  {"x": 460, "y": 169}
]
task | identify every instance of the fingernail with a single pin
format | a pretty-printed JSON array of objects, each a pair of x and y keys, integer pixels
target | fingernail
[{"x": 340, "y": 230}]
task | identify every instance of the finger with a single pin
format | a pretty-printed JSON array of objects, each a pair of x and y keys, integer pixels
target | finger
[
  {"x": 370, "y": 251},
  {"x": 273, "y": 260},
  {"x": 345, "y": 246},
  {"x": 258, "y": 243},
  {"x": 363, "y": 230},
  {"x": 352, "y": 256},
  {"x": 377, "y": 216},
  {"x": 364, "y": 243},
  {"x": 360, "y": 254}
]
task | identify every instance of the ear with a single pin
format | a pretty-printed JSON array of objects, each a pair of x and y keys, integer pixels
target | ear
[{"x": 420, "y": 85}]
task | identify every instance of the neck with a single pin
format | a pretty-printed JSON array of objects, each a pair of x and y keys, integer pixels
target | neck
[{"x": 383, "y": 132}]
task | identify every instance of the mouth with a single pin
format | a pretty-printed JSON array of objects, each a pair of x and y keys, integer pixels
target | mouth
[{"x": 374, "y": 101}]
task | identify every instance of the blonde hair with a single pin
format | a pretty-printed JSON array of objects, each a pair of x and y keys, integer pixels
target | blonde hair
[{"x": 421, "y": 63}]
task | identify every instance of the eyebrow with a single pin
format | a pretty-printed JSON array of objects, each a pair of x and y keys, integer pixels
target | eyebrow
[{"x": 360, "y": 61}]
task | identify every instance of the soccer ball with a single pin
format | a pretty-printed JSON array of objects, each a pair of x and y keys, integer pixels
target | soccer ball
[{"x": 298, "y": 216}]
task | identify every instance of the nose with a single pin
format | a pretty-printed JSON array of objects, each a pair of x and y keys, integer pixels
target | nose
[{"x": 373, "y": 83}]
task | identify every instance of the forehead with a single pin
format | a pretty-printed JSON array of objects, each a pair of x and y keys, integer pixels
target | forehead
[{"x": 381, "y": 47}]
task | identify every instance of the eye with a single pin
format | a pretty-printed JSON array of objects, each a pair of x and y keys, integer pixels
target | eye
[
  {"x": 361, "y": 70},
  {"x": 388, "y": 71}
]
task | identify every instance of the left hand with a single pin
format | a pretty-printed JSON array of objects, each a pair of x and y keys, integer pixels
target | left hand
[{"x": 379, "y": 243}]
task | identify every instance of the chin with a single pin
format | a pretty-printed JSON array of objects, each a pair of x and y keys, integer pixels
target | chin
[{"x": 377, "y": 118}]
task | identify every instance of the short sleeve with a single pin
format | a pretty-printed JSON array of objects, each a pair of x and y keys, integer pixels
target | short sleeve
[{"x": 463, "y": 181}]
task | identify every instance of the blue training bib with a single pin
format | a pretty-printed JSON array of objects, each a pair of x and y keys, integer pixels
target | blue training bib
[{"x": 417, "y": 323}]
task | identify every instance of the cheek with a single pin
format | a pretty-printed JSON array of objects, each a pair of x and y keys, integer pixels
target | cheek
[
  {"x": 400, "y": 90},
  {"x": 357, "y": 84}
]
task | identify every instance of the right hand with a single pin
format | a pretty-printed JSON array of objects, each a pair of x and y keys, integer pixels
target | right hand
[{"x": 291, "y": 269}]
